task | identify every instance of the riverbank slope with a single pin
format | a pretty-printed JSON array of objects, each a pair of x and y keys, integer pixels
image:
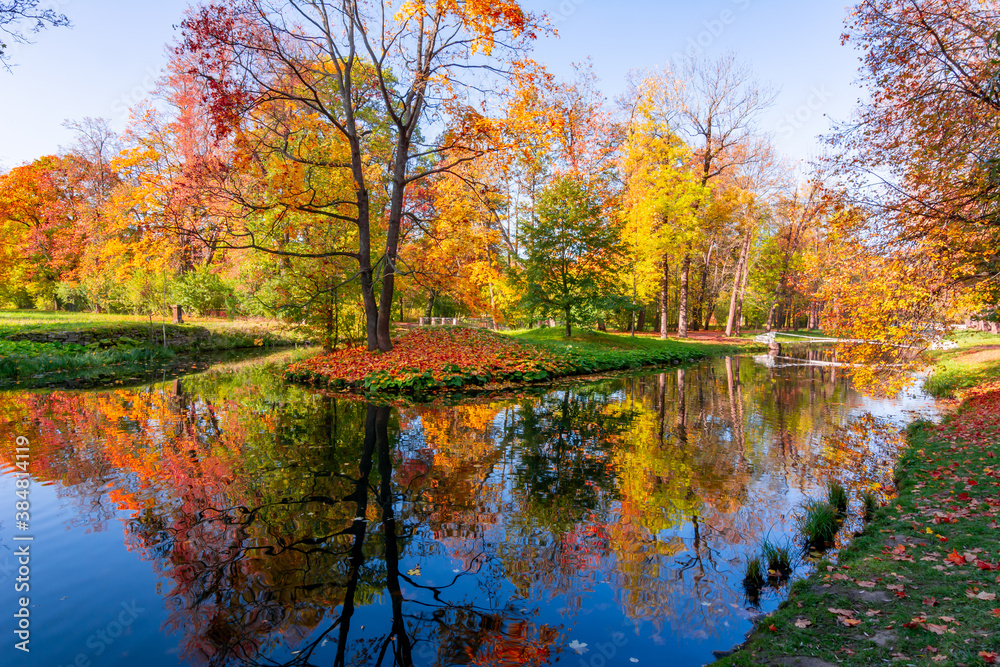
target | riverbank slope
[{"x": 922, "y": 584}]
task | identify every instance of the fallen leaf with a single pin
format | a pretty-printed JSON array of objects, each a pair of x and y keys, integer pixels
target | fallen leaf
[
  {"x": 937, "y": 629},
  {"x": 956, "y": 558},
  {"x": 803, "y": 623},
  {"x": 849, "y": 622},
  {"x": 989, "y": 657},
  {"x": 930, "y": 602},
  {"x": 841, "y": 612},
  {"x": 866, "y": 584}
]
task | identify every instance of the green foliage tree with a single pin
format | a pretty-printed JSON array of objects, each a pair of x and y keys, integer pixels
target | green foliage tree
[{"x": 572, "y": 250}]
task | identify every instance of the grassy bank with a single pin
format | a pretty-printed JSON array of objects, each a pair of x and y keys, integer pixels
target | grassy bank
[
  {"x": 922, "y": 584},
  {"x": 39, "y": 348},
  {"x": 456, "y": 359},
  {"x": 974, "y": 362}
]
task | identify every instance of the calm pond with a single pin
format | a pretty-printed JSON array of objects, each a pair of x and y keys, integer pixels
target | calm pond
[{"x": 226, "y": 519}]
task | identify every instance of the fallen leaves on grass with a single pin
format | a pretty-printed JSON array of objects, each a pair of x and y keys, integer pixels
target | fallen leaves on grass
[{"x": 433, "y": 357}]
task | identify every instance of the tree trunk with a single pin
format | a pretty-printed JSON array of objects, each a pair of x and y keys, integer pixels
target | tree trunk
[
  {"x": 743, "y": 294},
  {"x": 682, "y": 316},
  {"x": 601, "y": 324},
  {"x": 569, "y": 324},
  {"x": 328, "y": 339},
  {"x": 702, "y": 293},
  {"x": 735, "y": 305},
  {"x": 431, "y": 298},
  {"x": 770, "y": 317},
  {"x": 641, "y": 321},
  {"x": 664, "y": 298}
]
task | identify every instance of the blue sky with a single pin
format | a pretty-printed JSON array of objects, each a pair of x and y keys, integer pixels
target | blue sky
[{"x": 110, "y": 58}]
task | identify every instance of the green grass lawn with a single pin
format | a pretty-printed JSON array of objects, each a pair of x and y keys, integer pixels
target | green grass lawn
[
  {"x": 921, "y": 585},
  {"x": 43, "y": 321},
  {"x": 594, "y": 351},
  {"x": 975, "y": 361}
]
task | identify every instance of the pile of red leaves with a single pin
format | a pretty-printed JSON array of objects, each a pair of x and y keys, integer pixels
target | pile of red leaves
[{"x": 428, "y": 359}]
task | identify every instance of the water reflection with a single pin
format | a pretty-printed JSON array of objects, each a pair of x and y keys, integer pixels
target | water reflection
[{"x": 605, "y": 520}]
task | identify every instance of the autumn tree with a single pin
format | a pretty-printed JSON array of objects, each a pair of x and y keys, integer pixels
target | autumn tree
[
  {"x": 453, "y": 241},
  {"x": 661, "y": 191},
  {"x": 571, "y": 250},
  {"x": 333, "y": 59},
  {"x": 42, "y": 235},
  {"x": 918, "y": 161},
  {"x": 722, "y": 100}
]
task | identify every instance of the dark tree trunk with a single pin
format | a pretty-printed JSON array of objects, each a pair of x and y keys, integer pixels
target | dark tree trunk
[
  {"x": 431, "y": 298},
  {"x": 328, "y": 338},
  {"x": 640, "y": 323},
  {"x": 569, "y": 323}
]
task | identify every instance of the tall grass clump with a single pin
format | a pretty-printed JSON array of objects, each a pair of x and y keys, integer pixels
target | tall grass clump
[
  {"x": 870, "y": 503},
  {"x": 778, "y": 560},
  {"x": 836, "y": 496},
  {"x": 819, "y": 525},
  {"x": 754, "y": 575}
]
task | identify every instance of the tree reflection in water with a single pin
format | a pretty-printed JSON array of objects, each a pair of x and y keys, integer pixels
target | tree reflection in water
[{"x": 294, "y": 528}]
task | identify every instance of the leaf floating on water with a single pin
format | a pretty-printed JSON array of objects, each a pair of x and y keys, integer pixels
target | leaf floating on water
[
  {"x": 414, "y": 571},
  {"x": 578, "y": 646}
]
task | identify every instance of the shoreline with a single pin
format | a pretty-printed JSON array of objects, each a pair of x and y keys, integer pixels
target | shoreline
[{"x": 922, "y": 580}]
